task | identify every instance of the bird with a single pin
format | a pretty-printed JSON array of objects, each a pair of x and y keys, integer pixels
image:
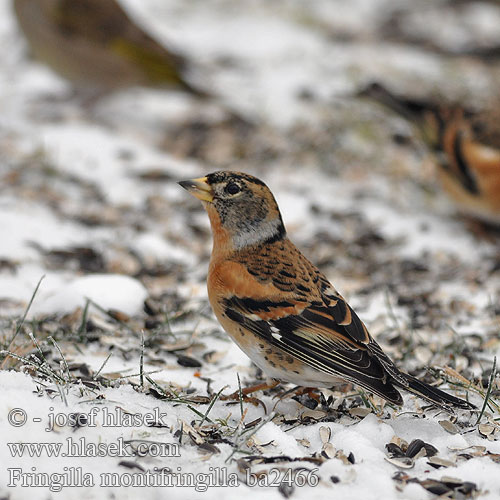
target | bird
[
  {"x": 279, "y": 308},
  {"x": 97, "y": 47},
  {"x": 466, "y": 144}
]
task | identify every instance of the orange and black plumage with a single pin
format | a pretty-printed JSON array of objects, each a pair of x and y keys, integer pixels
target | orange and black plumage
[
  {"x": 466, "y": 144},
  {"x": 279, "y": 308}
]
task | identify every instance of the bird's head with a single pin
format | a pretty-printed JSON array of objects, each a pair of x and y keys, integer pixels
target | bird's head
[{"x": 241, "y": 208}]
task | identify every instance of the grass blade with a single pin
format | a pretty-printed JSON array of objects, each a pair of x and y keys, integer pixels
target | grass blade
[
  {"x": 488, "y": 391},
  {"x": 23, "y": 319}
]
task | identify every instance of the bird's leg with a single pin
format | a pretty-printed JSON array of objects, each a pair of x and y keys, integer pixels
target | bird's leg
[
  {"x": 249, "y": 390},
  {"x": 298, "y": 391},
  {"x": 312, "y": 392}
]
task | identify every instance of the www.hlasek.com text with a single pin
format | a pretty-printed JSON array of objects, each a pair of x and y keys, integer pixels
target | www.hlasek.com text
[{"x": 83, "y": 448}]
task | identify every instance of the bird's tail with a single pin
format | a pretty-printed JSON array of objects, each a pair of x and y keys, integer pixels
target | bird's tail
[
  {"x": 426, "y": 115},
  {"x": 411, "y": 109},
  {"x": 434, "y": 395}
]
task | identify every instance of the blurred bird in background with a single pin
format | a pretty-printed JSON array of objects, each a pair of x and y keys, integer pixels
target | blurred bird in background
[
  {"x": 466, "y": 144},
  {"x": 98, "y": 47}
]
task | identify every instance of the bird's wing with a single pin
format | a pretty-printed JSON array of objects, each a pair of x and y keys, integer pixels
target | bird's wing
[
  {"x": 456, "y": 145},
  {"x": 321, "y": 331},
  {"x": 330, "y": 338}
]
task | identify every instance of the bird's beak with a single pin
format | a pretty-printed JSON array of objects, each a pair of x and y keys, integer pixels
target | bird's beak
[{"x": 199, "y": 188}]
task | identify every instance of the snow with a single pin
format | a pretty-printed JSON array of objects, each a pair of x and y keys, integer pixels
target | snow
[
  {"x": 73, "y": 179},
  {"x": 284, "y": 442},
  {"x": 107, "y": 291},
  {"x": 151, "y": 245},
  {"x": 28, "y": 223}
]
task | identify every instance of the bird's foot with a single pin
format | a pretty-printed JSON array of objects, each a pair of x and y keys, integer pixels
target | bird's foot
[
  {"x": 244, "y": 395},
  {"x": 307, "y": 396}
]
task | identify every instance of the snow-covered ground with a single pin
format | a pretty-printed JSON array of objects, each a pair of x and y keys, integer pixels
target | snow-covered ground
[{"x": 89, "y": 203}]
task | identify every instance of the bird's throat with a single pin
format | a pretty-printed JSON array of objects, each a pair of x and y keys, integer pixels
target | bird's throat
[{"x": 226, "y": 241}]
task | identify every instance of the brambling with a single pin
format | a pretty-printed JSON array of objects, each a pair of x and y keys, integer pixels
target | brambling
[
  {"x": 467, "y": 146},
  {"x": 97, "y": 46},
  {"x": 279, "y": 308}
]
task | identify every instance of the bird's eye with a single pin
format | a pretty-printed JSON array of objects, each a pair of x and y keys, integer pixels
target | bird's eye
[{"x": 232, "y": 188}]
